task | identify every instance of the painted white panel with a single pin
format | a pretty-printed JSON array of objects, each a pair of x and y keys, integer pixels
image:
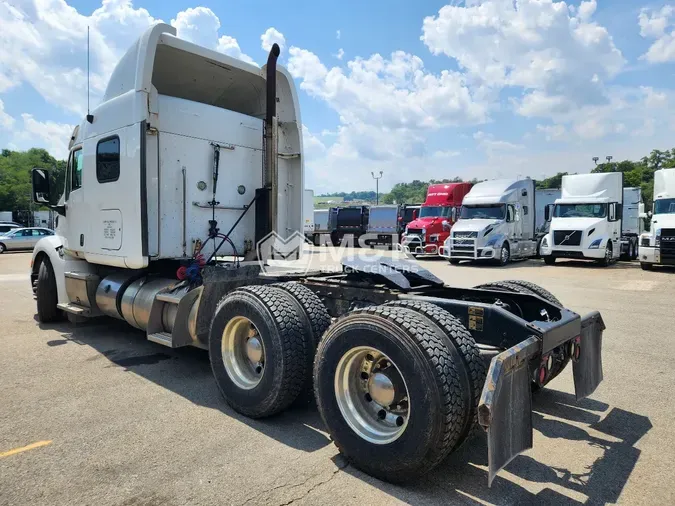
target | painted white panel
[{"x": 110, "y": 229}]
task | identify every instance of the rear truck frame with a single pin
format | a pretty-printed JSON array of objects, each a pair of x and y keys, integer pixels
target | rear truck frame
[{"x": 395, "y": 358}]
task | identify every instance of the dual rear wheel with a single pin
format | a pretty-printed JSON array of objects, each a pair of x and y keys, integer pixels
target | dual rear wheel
[{"x": 396, "y": 385}]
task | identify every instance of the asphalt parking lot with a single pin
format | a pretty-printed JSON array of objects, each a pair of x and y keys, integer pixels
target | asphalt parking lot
[{"x": 95, "y": 414}]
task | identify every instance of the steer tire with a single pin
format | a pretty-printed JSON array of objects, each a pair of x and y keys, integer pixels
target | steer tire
[
  {"x": 317, "y": 320},
  {"x": 437, "y": 413},
  {"x": 285, "y": 336},
  {"x": 46, "y": 294},
  {"x": 549, "y": 260},
  {"x": 463, "y": 349},
  {"x": 646, "y": 267}
]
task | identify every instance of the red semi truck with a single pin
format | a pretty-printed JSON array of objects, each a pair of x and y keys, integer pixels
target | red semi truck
[{"x": 427, "y": 232}]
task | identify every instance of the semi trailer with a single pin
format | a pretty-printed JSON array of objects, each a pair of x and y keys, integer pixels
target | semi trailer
[
  {"x": 324, "y": 226},
  {"x": 151, "y": 231},
  {"x": 350, "y": 223},
  {"x": 427, "y": 232},
  {"x": 496, "y": 223},
  {"x": 384, "y": 225},
  {"x": 594, "y": 219},
  {"x": 657, "y": 247}
]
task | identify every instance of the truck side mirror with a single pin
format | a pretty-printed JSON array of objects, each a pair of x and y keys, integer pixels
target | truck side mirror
[
  {"x": 40, "y": 180},
  {"x": 612, "y": 212},
  {"x": 446, "y": 225},
  {"x": 453, "y": 214},
  {"x": 414, "y": 214}
]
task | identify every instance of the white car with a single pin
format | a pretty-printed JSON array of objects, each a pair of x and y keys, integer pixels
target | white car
[{"x": 22, "y": 238}]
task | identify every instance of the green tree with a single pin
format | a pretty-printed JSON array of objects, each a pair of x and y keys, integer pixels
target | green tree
[{"x": 15, "y": 178}]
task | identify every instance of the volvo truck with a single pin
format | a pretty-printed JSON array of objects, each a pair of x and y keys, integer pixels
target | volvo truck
[
  {"x": 657, "y": 247},
  {"x": 594, "y": 219},
  {"x": 426, "y": 234},
  {"x": 496, "y": 223},
  {"x": 187, "y": 179}
]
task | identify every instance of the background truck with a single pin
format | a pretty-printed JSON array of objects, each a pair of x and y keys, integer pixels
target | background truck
[
  {"x": 367, "y": 340},
  {"x": 350, "y": 222},
  {"x": 496, "y": 223},
  {"x": 384, "y": 225},
  {"x": 427, "y": 232},
  {"x": 657, "y": 247},
  {"x": 324, "y": 226},
  {"x": 308, "y": 213},
  {"x": 595, "y": 218}
]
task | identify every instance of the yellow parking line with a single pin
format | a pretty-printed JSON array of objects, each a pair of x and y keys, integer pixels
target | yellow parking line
[{"x": 25, "y": 448}]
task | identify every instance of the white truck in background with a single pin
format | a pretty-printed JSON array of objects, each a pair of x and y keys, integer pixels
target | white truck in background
[
  {"x": 308, "y": 213},
  {"x": 657, "y": 247},
  {"x": 496, "y": 223},
  {"x": 594, "y": 219}
]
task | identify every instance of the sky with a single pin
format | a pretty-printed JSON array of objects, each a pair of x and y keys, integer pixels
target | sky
[{"x": 417, "y": 90}]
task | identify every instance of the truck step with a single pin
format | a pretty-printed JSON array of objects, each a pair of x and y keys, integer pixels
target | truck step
[
  {"x": 74, "y": 309},
  {"x": 171, "y": 298},
  {"x": 161, "y": 338}
]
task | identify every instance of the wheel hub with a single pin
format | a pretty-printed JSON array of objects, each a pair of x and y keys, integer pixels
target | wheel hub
[
  {"x": 372, "y": 395},
  {"x": 254, "y": 349},
  {"x": 381, "y": 389}
]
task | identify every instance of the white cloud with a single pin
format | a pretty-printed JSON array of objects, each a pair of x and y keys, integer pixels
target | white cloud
[
  {"x": 394, "y": 93},
  {"x": 340, "y": 54},
  {"x": 658, "y": 24},
  {"x": 52, "y": 136},
  {"x": 6, "y": 121},
  {"x": 338, "y": 34},
  {"x": 201, "y": 26},
  {"x": 493, "y": 146},
  {"x": 271, "y": 36},
  {"x": 311, "y": 144},
  {"x": 544, "y": 47},
  {"x": 553, "y": 132}
]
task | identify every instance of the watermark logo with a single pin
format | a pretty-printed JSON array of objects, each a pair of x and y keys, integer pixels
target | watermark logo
[{"x": 277, "y": 254}]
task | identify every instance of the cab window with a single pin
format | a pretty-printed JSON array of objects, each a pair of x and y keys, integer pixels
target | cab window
[
  {"x": 510, "y": 213},
  {"x": 76, "y": 172},
  {"x": 108, "y": 160}
]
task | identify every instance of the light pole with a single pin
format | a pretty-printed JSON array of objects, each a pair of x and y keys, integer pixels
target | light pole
[
  {"x": 377, "y": 187},
  {"x": 609, "y": 159},
  {"x": 595, "y": 159}
]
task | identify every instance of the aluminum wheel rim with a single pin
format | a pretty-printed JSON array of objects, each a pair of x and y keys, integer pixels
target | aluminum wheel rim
[
  {"x": 372, "y": 395},
  {"x": 608, "y": 254},
  {"x": 243, "y": 352},
  {"x": 505, "y": 254}
]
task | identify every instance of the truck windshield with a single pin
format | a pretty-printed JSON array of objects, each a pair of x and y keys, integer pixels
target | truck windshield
[
  {"x": 489, "y": 212},
  {"x": 664, "y": 206},
  {"x": 580, "y": 211},
  {"x": 433, "y": 212}
]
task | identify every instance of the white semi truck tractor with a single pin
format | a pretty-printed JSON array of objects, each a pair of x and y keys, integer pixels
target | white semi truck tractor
[
  {"x": 657, "y": 247},
  {"x": 192, "y": 162},
  {"x": 496, "y": 223},
  {"x": 594, "y": 219}
]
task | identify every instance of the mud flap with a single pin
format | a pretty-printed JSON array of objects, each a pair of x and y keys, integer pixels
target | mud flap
[
  {"x": 587, "y": 356},
  {"x": 505, "y": 409}
]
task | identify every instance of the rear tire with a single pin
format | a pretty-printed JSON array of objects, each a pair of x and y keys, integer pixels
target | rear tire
[
  {"x": 46, "y": 293},
  {"x": 561, "y": 353},
  {"x": 316, "y": 318},
  {"x": 549, "y": 260},
  {"x": 463, "y": 349},
  {"x": 436, "y": 415},
  {"x": 276, "y": 321},
  {"x": 454, "y": 261}
]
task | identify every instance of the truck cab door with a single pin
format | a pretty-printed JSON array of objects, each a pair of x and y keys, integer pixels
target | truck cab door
[{"x": 72, "y": 225}]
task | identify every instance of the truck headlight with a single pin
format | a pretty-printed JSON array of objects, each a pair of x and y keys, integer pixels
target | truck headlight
[
  {"x": 657, "y": 240},
  {"x": 492, "y": 241},
  {"x": 595, "y": 244},
  {"x": 434, "y": 237},
  {"x": 544, "y": 241}
]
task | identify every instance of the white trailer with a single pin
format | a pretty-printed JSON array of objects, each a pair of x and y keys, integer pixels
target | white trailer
[
  {"x": 5, "y": 216},
  {"x": 192, "y": 163},
  {"x": 543, "y": 199},
  {"x": 588, "y": 220},
  {"x": 657, "y": 247},
  {"x": 496, "y": 223},
  {"x": 383, "y": 225},
  {"x": 308, "y": 213}
]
